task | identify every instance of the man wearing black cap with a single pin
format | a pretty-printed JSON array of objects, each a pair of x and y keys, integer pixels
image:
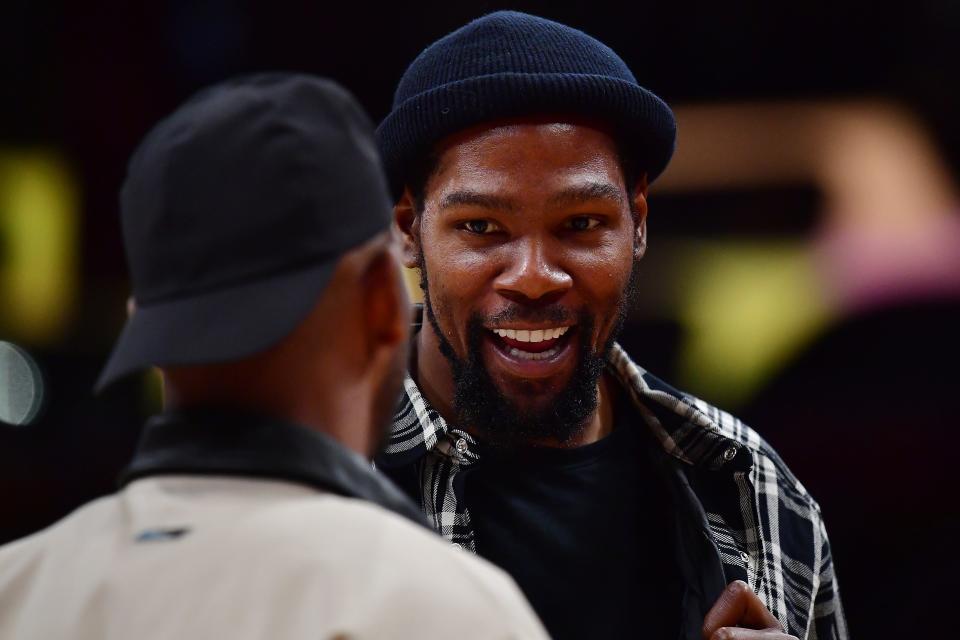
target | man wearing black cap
[
  {"x": 519, "y": 153},
  {"x": 256, "y": 225}
]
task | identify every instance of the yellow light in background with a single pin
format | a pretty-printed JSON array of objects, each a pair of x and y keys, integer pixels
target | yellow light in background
[
  {"x": 39, "y": 237},
  {"x": 152, "y": 392},
  {"x": 412, "y": 278},
  {"x": 748, "y": 308}
]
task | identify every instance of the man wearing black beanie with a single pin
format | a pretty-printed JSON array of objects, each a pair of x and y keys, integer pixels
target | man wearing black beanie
[{"x": 519, "y": 152}]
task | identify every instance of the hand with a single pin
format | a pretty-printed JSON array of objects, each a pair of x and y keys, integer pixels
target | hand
[{"x": 739, "y": 614}]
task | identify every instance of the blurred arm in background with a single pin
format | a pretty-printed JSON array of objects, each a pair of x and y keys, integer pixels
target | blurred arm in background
[
  {"x": 849, "y": 334},
  {"x": 887, "y": 231}
]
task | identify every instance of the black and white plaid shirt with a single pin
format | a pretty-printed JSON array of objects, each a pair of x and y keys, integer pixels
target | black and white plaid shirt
[{"x": 767, "y": 528}]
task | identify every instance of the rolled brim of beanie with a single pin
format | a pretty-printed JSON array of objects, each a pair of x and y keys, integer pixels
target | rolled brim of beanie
[
  {"x": 644, "y": 121},
  {"x": 216, "y": 326}
]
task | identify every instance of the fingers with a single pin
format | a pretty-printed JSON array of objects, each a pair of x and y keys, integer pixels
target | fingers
[{"x": 738, "y": 606}]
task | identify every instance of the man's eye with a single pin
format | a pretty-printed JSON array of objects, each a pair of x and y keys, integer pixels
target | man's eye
[
  {"x": 583, "y": 223},
  {"x": 480, "y": 226}
]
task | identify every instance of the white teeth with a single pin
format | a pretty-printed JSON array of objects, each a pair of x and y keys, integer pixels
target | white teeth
[{"x": 526, "y": 335}]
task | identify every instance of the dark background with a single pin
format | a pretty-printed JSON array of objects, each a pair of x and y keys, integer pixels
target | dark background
[{"x": 85, "y": 81}]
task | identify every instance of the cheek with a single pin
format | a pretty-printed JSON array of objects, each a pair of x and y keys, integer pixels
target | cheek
[
  {"x": 604, "y": 274},
  {"x": 462, "y": 270},
  {"x": 605, "y": 267},
  {"x": 456, "y": 283}
]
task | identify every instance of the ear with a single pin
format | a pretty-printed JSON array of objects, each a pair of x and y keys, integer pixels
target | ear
[
  {"x": 385, "y": 304},
  {"x": 639, "y": 202},
  {"x": 407, "y": 222}
]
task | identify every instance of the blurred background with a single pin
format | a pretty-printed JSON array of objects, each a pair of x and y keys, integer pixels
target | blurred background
[{"x": 804, "y": 260}]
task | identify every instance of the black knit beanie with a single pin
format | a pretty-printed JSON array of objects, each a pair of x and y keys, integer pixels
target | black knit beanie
[{"x": 509, "y": 64}]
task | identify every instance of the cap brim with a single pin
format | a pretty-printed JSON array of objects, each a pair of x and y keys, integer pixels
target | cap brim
[{"x": 216, "y": 326}]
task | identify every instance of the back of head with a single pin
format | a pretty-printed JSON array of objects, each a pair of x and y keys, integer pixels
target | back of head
[{"x": 256, "y": 207}]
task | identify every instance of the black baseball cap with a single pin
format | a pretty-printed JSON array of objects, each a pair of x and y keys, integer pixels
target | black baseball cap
[{"x": 235, "y": 211}]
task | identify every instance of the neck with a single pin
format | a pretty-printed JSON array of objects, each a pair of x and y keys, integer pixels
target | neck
[
  {"x": 434, "y": 377},
  {"x": 600, "y": 423},
  {"x": 324, "y": 409},
  {"x": 434, "y": 374}
]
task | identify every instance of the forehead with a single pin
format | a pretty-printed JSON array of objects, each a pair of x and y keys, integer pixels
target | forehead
[{"x": 532, "y": 156}]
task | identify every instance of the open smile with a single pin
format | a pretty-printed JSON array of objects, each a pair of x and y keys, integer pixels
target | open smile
[
  {"x": 529, "y": 352},
  {"x": 535, "y": 344}
]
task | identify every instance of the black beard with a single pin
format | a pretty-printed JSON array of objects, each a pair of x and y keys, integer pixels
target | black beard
[{"x": 480, "y": 404}]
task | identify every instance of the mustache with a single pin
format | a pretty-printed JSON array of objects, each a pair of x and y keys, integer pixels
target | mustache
[{"x": 518, "y": 313}]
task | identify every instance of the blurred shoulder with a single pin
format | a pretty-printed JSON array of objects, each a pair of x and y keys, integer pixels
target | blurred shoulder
[{"x": 424, "y": 586}]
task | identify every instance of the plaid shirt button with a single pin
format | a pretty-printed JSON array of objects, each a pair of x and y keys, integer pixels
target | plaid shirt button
[
  {"x": 462, "y": 445},
  {"x": 730, "y": 454}
]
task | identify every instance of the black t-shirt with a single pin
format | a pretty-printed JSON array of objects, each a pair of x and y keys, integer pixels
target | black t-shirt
[{"x": 587, "y": 534}]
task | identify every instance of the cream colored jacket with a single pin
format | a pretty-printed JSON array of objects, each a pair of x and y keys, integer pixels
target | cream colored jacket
[{"x": 210, "y": 557}]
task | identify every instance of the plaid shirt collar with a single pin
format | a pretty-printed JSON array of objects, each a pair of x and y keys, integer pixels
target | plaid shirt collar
[{"x": 682, "y": 424}]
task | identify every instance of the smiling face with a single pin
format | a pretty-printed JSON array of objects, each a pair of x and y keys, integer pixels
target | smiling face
[{"x": 527, "y": 239}]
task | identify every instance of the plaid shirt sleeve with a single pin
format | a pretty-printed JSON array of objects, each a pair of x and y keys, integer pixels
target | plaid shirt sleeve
[
  {"x": 796, "y": 576},
  {"x": 828, "y": 619}
]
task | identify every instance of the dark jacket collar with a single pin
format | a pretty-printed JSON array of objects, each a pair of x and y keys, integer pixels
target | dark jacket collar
[{"x": 220, "y": 443}]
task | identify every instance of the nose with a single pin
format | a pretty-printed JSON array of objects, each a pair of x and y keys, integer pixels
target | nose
[{"x": 532, "y": 274}]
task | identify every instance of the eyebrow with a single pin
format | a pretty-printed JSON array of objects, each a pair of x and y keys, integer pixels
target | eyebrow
[
  {"x": 588, "y": 192},
  {"x": 572, "y": 195},
  {"x": 476, "y": 199}
]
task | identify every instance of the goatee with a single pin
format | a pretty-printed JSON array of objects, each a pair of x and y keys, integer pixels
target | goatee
[{"x": 501, "y": 422}]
